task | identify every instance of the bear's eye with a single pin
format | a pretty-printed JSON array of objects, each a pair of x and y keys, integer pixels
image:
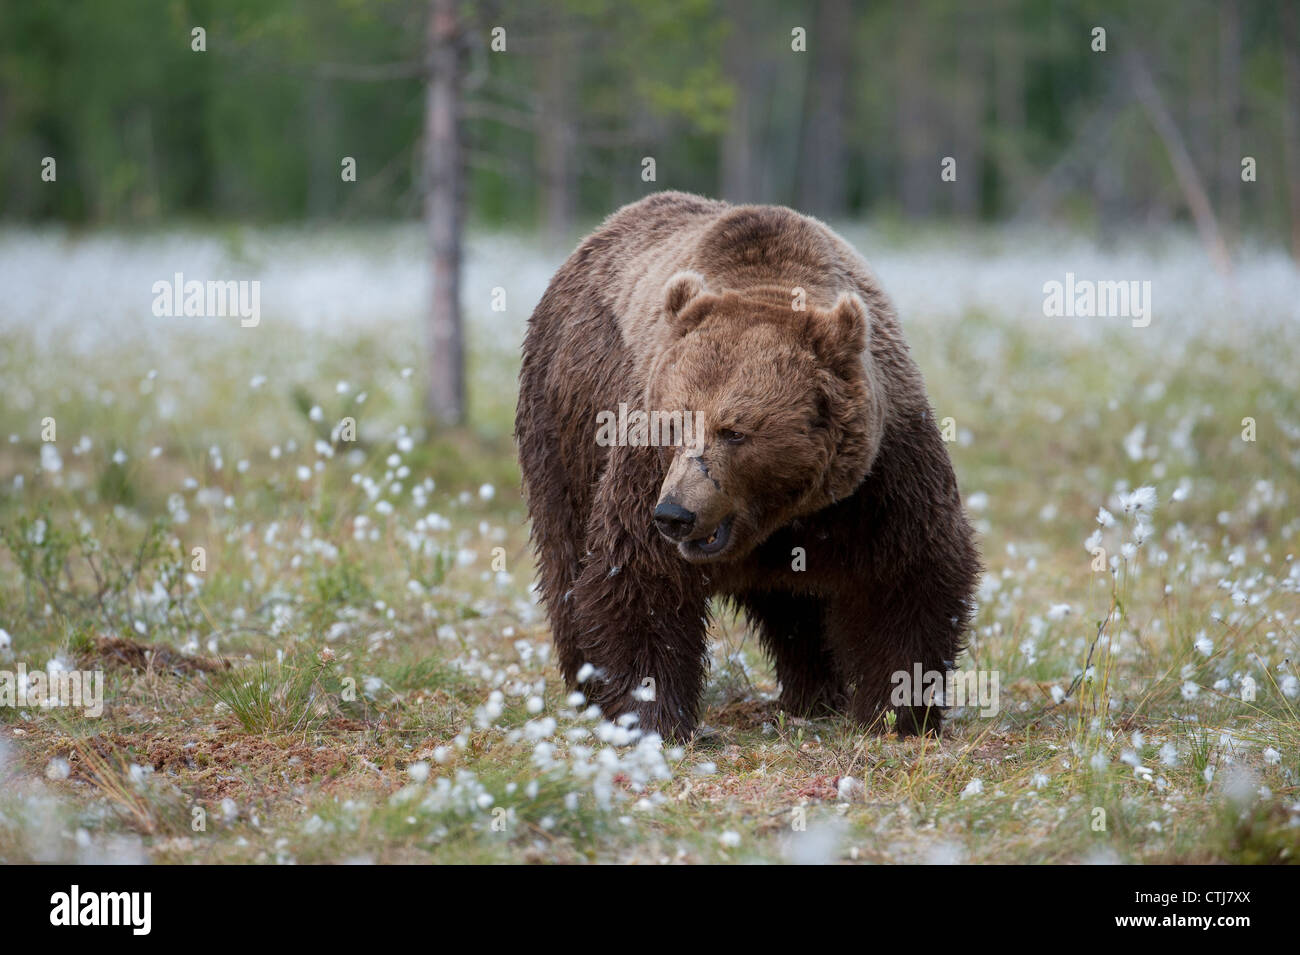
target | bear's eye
[{"x": 731, "y": 437}]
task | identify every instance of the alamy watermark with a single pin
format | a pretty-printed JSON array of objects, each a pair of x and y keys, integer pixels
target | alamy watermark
[
  {"x": 133, "y": 910},
  {"x": 77, "y": 689},
  {"x": 1085, "y": 298},
  {"x": 921, "y": 687},
  {"x": 212, "y": 299},
  {"x": 649, "y": 429}
]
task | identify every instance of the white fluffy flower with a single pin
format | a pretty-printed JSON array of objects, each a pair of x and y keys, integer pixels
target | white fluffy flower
[
  {"x": 1139, "y": 502},
  {"x": 1290, "y": 686},
  {"x": 50, "y": 460}
]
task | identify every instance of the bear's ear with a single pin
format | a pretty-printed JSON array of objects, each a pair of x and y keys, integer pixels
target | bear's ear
[
  {"x": 682, "y": 289},
  {"x": 840, "y": 336}
]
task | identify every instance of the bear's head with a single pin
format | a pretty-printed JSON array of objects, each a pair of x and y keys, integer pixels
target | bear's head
[{"x": 786, "y": 411}]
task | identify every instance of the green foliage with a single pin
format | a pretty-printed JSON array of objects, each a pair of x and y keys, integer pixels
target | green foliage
[
  {"x": 144, "y": 128},
  {"x": 289, "y": 696}
]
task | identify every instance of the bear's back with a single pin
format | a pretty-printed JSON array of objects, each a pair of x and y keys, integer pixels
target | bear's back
[{"x": 634, "y": 253}]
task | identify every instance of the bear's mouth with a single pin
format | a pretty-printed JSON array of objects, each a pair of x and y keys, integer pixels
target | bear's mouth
[{"x": 711, "y": 544}]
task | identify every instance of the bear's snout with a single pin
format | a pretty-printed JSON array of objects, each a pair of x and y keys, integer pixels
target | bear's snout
[{"x": 674, "y": 521}]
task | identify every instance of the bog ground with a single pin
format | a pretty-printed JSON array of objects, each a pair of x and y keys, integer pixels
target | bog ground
[{"x": 353, "y": 667}]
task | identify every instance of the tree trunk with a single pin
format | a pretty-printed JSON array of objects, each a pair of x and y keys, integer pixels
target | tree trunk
[
  {"x": 557, "y": 137},
  {"x": 917, "y": 153},
  {"x": 821, "y": 173},
  {"x": 1009, "y": 106},
  {"x": 1184, "y": 169},
  {"x": 968, "y": 120},
  {"x": 1291, "y": 117},
  {"x": 323, "y": 161},
  {"x": 738, "y": 176},
  {"x": 1229, "y": 153},
  {"x": 444, "y": 216}
]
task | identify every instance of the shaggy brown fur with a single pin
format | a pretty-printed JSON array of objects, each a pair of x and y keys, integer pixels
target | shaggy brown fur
[{"x": 822, "y": 500}]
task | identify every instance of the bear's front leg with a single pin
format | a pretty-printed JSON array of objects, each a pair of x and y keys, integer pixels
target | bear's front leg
[{"x": 640, "y": 610}]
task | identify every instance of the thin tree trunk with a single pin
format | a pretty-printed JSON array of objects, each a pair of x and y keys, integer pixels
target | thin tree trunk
[
  {"x": 1291, "y": 117},
  {"x": 969, "y": 119},
  {"x": 1202, "y": 105},
  {"x": 919, "y": 158},
  {"x": 557, "y": 136},
  {"x": 1229, "y": 155},
  {"x": 821, "y": 174},
  {"x": 444, "y": 215},
  {"x": 1184, "y": 169},
  {"x": 738, "y": 177},
  {"x": 1009, "y": 104},
  {"x": 323, "y": 163}
]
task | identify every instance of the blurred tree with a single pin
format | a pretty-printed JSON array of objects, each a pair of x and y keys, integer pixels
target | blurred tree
[
  {"x": 1228, "y": 160},
  {"x": 1291, "y": 118},
  {"x": 444, "y": 212},
  {"x": 822, "y": 155},
  {"x": 144, "y": 128},
  {"x": 557, "y": 134},
  {"x": 738, "y": 173}
]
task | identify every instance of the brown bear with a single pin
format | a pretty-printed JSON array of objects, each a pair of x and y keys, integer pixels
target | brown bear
[{"x": 816, "y": 494}]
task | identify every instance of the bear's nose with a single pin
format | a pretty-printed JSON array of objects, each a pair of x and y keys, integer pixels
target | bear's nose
[{"x": 673, "y": 520}]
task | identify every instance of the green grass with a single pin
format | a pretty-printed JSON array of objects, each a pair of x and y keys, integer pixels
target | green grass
[{"x": 388, "y": 687}]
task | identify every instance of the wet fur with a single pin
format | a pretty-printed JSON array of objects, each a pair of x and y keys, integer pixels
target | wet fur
[{"x": 891, "y": 563}]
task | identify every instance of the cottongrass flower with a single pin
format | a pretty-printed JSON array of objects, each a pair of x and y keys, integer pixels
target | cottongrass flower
[
  {"x": 1134, "y": 442},
  {"x": 51, "y": 462},
  {"x": 1058, "y": 611},
  {"x": 1138, "y": 504}
]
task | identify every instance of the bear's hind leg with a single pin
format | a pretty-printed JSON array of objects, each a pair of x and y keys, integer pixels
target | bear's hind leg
[{"x": 558, "y": 525}]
